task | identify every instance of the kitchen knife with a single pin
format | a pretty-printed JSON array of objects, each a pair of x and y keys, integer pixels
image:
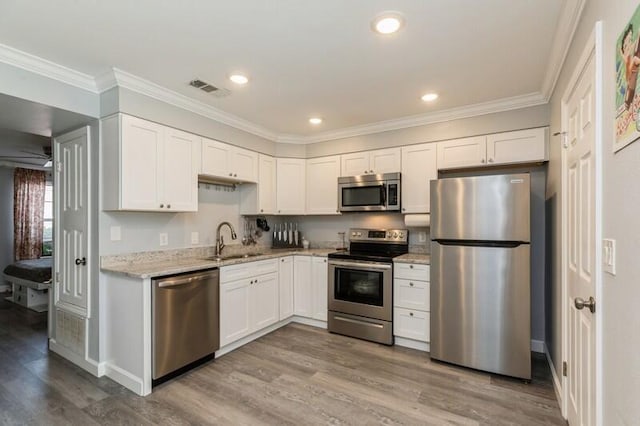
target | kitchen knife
[
  {"x": 295, "y": 235},
  {"x": 280, "y": 232},
  {"x": 290, "y": 233}
]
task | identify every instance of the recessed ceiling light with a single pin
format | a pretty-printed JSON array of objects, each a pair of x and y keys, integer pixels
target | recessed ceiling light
[
  {"x": 239, "y": 79},
  {"x": 430, "y": 97},
  {"x": 387, "y": 22},
  {"x": 315, "y": 120}
]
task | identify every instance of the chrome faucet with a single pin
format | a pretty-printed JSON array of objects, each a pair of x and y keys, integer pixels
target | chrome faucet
[{"x": 220, "y": 240}]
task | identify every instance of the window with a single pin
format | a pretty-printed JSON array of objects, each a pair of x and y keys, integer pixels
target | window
[{"x": 47, "y": 223}]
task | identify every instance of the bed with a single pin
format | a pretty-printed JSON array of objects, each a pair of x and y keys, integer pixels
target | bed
[{"x": 31, "y": 280}]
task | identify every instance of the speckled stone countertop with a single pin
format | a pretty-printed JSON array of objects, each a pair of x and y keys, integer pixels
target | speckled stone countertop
[
  {"x": 424, "y": 259},
  {"x": 153, "y": 265}
]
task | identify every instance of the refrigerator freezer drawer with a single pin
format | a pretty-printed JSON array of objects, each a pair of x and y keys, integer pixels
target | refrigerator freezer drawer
[
  {"x": 481, "y": 208},
  {"x": 480, "y": 308}
]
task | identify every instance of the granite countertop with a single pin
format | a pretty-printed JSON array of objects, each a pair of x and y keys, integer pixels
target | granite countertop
[
  {"x": 424, "y": 259},
  {"x": 140, "y": 268}
]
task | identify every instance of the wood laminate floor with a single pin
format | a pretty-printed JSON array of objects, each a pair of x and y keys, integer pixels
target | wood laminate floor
[{"x": 295, "y": 375}]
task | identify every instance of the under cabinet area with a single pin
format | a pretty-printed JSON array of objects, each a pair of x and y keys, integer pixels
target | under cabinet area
[
  {"x": 411, "y": 304},
  {"x": 150, "y": 167}
]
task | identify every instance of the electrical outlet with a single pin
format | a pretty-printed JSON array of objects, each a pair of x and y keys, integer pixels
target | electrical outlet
[
  {"x": 195, "y": 238},
  {"x": 609, "y": 255},
  {"x": 164, "y": 239},
  {"x": 422, "y": 237},
  {"x": 116, "y": 234}
]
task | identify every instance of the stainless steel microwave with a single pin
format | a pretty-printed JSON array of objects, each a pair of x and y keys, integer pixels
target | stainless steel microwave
[{"x": 369, "y": 193}]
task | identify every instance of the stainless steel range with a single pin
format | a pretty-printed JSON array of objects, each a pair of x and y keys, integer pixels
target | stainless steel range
[{"x": 361, "y": 284}]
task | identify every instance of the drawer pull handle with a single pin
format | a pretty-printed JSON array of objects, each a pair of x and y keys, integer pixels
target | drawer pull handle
[
  {"x": 410, "y": 266},
  {"x": 411, "y": 284},
  {"x": 410, "y": 314}
]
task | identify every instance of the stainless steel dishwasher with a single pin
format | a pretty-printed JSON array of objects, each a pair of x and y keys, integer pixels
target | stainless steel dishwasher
[{"x": 185, "y": 320}]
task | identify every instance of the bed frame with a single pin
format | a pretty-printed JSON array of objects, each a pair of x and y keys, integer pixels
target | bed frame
[{"x": 30, "y": 294}]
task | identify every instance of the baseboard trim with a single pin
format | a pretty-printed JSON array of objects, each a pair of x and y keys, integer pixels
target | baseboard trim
[
  {"x": 557, "y": 383},
  {"x": 133, "y": 383},
  {"x": 238, "y": 343},
  {"x": 537, "y": 346},
  {"x": 309, "y": 321},
  {"x": 87, "y": 364},
  {"x": 413, "y": 344}
]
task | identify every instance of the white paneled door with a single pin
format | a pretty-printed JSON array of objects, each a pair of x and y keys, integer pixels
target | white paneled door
[
  {"x": 71, "y": 251},
  {"x": 580, "y": 247}
]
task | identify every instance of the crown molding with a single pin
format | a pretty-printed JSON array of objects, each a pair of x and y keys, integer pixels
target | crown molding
[
  {"x": 43, "y": 67},
  {"x": 565, "y": 30},
  {"x": 117, "y": 77},
  {"x": 467, "y": 111}
]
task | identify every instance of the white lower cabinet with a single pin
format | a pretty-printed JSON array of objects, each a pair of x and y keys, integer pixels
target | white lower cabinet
[
  {"x": 411, "y": 303},
  {"x": 285, "y": 277},
  {"x": 249, "y": 299},
  {"x": 310, "y": 287}
]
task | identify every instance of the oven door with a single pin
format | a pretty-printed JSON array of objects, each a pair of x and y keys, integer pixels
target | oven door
[
  {"x": 361, "y": 288},
  {"x": 362, "y": 196}
]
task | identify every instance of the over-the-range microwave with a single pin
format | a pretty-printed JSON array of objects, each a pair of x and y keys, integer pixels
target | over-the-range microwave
[{"x": 369, "y": 193}]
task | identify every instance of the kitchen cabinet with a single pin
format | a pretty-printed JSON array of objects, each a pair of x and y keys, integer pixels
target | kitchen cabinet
[
  {"x": 260, "y": 198},
  {"x": 522, "y": 146},
  {"x": 249, "y": 299},
  {"x": 418, "y": 169},
  {"x": 150, "y": 167},
  {"x": 285, "y": 277},
  {"x": 322, "y": 185},
  {"x": 228, "y": 162},
  {"x": 311, "y": 287},
  {"x": 371, "y": 162},
  {"x": 290, "y": 186},
  {"x": 411, "y": 303}
]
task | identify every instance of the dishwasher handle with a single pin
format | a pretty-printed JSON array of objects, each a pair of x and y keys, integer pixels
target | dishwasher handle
[{"x": 184, "y": 281}]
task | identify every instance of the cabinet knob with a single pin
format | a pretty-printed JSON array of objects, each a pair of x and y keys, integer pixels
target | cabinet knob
[
  {"x": 410, "y": 266},
  {"x": 278, "y": 211},
  {"x": 325, "y": 261},
  {"x": 231, "y": 174},
  {"x": 235, "y": 175},
  {"x": 168, "y": 206},
  {"x": 482, "y": 161},
  {"x": 255, "y": 281},
  {"x": 251, "y": 282},
  {"x": 282, "y": 260},
  {"x": 161, "y": 206},
  {"x": 261, "y": 210},
  {"x": 370, "y": 171},
  {"x": 410, "y": 314},
  {"x": 403, "y": 209},
  {"x": 491, "y": 160},
  {"x": 365, "y": 172},
  {"x": 410, "y": 284}
]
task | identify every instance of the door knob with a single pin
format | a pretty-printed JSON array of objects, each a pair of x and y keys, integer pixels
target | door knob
[
  {"x": 581, "y": 304},
  {"x": 82, "y": 261}
]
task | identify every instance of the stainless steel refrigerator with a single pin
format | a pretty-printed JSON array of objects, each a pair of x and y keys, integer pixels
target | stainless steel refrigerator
[{"x": 480, "y": 273}]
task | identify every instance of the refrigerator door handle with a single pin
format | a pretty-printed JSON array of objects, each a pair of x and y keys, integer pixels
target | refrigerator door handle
[{"x": 477, "y": 243}]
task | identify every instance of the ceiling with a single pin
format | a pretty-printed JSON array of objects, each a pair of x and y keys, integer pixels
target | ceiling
[{"x": 303, "y": 58}]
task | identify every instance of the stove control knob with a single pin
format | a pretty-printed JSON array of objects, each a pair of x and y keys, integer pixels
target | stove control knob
[
  {"x": 401, "y": 235},
  {"x": 359, "y": 234},
  {"x": 395, "y": 235}
]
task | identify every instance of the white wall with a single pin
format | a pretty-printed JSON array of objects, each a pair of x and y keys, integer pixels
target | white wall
[
  {"x": 6, "y": 220},
  {"x": 621, "y": 316}
]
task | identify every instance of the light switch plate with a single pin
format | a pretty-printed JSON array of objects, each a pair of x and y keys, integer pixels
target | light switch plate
[
  {"x": 116, "y": 233},
  {"x": 164, "y": 239},
  {"x": 609, "y": 255},
  {"x": 195, "y": 238}
]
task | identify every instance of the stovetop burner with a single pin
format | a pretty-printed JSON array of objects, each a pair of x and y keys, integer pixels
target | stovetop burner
[{"x": 375, "y": 245}]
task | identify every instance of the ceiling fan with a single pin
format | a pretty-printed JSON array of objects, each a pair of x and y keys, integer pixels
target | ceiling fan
[{"x": 45, "y": 156}]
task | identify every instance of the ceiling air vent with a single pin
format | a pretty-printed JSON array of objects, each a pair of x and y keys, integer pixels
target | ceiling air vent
[{"x": 209, "y": 88}]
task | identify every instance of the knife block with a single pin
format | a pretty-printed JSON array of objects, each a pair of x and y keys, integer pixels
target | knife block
[{"x": 283, "y": 244}]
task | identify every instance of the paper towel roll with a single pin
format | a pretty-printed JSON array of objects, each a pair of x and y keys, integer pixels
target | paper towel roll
[{"x": 417, "y": 220}]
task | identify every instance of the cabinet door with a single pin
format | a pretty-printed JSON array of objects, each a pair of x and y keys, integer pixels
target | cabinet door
[
  {"x": 235, "y": 321},
  {"x": 320, "y": 282},
  {"x": 517, "y": 147},
  {"x": 290, "y": 186},
  {"x": 384, "y": 161},
  {"x": 180, "y": 171},
  {"x": 266, "y": 185},
  {"x": 244, "y": 165},
  {"x": 418, "y": 169},
  {"x": 411, "y": 324},
  {"x": 285, "y": 281},
  {"x": 264, "y": 301},
  {"x": 322, "y": 185},
  {"x": 302, "y": 290},
  {"x": 216, "y": 158},
  {"x": 142, "y": 162},
  {"x": 354, "y": 164},
  {"x": 459, "y": 153}
]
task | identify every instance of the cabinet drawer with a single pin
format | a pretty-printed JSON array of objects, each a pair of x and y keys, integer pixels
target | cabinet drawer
[
  {"x": 411, "y": 324},
  {"x": 411, "y": 271},
  {"x": 236, "y": 272},
  {"x": 265, "y": 266},
  {"x": 411, "y": 294}
]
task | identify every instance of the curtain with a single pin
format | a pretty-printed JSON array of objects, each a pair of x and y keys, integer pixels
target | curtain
[{"x": 28, "y": 212}]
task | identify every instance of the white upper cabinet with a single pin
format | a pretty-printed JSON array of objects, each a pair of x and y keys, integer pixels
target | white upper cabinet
[
  {"x": 371, "y": 162},
  {"x": 517, "y": 147},
  {"x": 148, "y": 167},
  {"x": 260, "y": 198},
  {"x": 229, "y": 162},
  {"x": 418, "y": 169},
  {"x": 322, "y": 185},
  {"x": 290, "y": 186},
  {"x": 459, "y": 153}
]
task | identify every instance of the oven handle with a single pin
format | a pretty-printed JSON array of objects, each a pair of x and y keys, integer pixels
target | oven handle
[{"x": 360, "y": 265}]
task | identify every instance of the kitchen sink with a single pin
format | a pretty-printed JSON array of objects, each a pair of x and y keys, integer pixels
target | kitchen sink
[{"x": 233, "y": 256}]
